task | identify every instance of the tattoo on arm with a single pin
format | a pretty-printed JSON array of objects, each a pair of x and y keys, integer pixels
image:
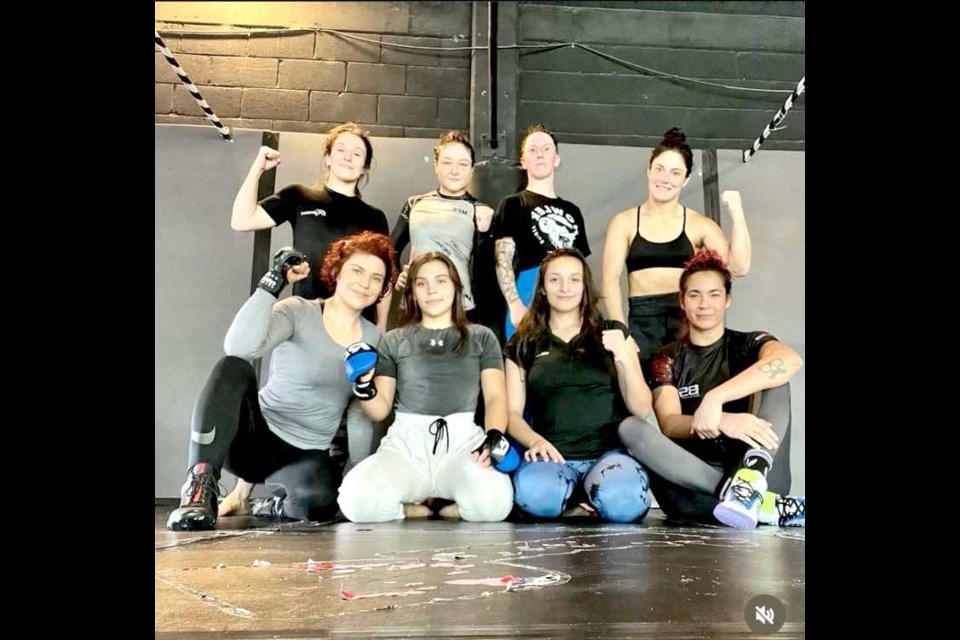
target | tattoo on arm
[
  {"x": 773, "y": 368},
  {"x": 505, "y": 250}
]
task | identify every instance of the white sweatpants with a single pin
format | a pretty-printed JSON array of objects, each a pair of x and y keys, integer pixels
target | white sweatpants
[{"x": 406, "y": 469}]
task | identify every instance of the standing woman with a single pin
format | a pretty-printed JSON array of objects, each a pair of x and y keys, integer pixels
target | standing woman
[
  {"x": 655, "y": 239},
  {"x": 531, "y": 223},
  {"x": 318, "y": 214},
  {"x": 448, "y": 219}
]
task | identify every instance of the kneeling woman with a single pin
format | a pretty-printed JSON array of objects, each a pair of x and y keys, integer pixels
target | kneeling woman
[
  {"x": 431, "y": 370},
  {"x": 280, "y": 435},
  {"x": 579, "y": 378}
]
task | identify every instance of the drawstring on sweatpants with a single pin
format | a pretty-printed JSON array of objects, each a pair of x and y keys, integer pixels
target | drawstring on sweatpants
[{"x": 438, "y": 429}]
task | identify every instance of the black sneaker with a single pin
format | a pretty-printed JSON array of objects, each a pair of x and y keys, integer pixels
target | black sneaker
[
  {"x": 198, "y": 501},
  {"x": 270, "y": 507}
]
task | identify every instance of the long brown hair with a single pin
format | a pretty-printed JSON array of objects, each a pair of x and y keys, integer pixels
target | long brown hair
[
  {"x": 536, "y": 324},
  {"x": 410, "y": 310}
]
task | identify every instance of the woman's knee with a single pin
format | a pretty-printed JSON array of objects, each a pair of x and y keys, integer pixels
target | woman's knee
[
  {"x": 232, "y": 367},
  {"x": 619, "y": 488},
  {"x": 367, "y": 494},
  {"x": 314, "y": 503},
  {"x": 634, "y": 432},
  {"x": 622, "y": 501},
  {"x": 492, "y": 503},
  {"x": 542, "y": 491}
]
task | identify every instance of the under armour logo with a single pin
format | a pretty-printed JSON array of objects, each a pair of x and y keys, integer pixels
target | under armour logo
[{"x": 436, "y": 343}]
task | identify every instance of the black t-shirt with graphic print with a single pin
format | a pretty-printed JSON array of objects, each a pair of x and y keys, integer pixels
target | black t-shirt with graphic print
[
  {"x": 539, "y": 225},
  {"x": 319, "y": 217},
  {"x": 573, "y": 396},
  {"x": 695, "y": 370}
]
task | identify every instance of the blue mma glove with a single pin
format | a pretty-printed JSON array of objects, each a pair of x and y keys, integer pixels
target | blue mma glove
[
  {"x": 359, "y": 360},
  {"x": 504, "y": 452}
]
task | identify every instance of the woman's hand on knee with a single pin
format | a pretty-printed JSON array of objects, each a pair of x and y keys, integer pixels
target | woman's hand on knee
[
  {"x": 546, "y": 451},
  {"x": 756, "y": 432}
]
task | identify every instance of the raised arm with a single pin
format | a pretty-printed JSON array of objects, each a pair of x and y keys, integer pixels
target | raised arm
[
  {"x": 634, "y": 390},
  {"x": 482, "y": 217},
  {"x": 262, "y": 323},
  {"x": 737, "y": 252},
  {"x": 247, "y": 214},
  {"x": 740, "y": 248}
]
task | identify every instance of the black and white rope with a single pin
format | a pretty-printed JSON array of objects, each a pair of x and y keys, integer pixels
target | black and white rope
[
  {"x": 777, "y": 119},
  {"x": 192, "y": 88}
]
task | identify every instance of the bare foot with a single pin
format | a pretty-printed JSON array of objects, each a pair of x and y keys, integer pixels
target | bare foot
[
  {"x": 450, "y": 512},
  {"x": 414, "y": 511},
  {"x": 237, "y": 503},
  {"x": 582, "y": 510}
]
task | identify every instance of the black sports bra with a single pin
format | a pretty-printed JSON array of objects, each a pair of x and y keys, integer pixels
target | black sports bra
[{"x": 645, "y": 254}]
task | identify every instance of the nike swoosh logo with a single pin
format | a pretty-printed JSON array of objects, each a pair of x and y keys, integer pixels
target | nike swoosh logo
[{"x": 203, "y": 438}]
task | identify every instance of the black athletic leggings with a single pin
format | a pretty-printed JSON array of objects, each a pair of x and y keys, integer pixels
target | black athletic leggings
[
  {"x": 654, "y": 322},
  {"x": 229, "y": 431}
]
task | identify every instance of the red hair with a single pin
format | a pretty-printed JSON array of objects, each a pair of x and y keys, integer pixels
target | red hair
[
  {"x": 375, "y": 244},
  {"x": 706, "y": 260}
]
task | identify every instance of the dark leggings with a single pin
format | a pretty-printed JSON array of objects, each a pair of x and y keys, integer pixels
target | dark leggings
[
  {"x": 687, "y": 474},
  {"x": 229, "y": 431},
  {"x": 654, "y": 322}
]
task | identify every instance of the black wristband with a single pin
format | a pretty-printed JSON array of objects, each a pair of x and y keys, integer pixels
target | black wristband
[{"x": 365, "y": 390}]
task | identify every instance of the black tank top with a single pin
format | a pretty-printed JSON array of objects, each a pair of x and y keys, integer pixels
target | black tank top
[{"x": 645, "y": 254}]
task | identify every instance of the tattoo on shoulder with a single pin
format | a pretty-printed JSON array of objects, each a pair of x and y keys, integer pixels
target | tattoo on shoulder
[{"x": 773, "y": 368}]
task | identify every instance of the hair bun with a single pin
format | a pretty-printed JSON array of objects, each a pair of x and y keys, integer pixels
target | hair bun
[{"x": 674, "y": 134}]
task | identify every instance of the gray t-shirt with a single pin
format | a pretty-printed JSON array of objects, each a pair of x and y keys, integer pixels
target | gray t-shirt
[
  {"x": 434, "y": 222},
  {"x": 307, "y": 390},
  {"x": 431, "y": 378}
]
